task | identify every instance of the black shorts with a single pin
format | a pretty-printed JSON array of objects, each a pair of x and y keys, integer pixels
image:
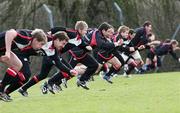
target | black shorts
[
  {"x": 101, "y": 58},
  {"x": 2, "y": 53},
  {"x": 150, "y": 55}
]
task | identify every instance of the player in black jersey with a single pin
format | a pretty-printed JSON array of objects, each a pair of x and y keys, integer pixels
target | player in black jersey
[
  {"x": 79, "y": 54},
  {"x": 154, "y": 55},
  {"x": 51, "y": 57},
  {"x": 103, "y": 46},
  {"x": 24, "y": 41}
]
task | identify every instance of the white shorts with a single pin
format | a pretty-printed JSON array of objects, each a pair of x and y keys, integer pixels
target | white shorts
[
  {"x": 136, "y": 55},
  {"x": 124, "y": 56}
]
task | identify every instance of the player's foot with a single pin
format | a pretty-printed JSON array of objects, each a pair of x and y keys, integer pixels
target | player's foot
[
  {"x": 9, "y": 97},
  {"x": 50, "y": 88},
  {"x": 82, "y": 84},
  {"x": 64, "y": 82},
  {"x": 108, "y": 79},
  {"x": 56, "y": 88},
  {"x": 44, "y": 88},
  {"x": 23, "y": 92},
  {"x": 5, "y": 97},
  {"x": 102, "y": 74}
]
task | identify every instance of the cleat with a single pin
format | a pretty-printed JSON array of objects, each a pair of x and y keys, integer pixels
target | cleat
[
  {"x": 9, "y": 97},
  {"x": 5, "y": 97},
  {"x": 23, "y": 92},
  {"x": 56, "y": 88},
  {"x": 77, "y": 82},
  {"x": 82, "y": 84},
  {"x": 44, "y": 88},
  {"x": 108, "y": 79},
  {"x": 78, "y": 77},
  {"x": 50, "y": 88},
  {"x": 102, "y": 74},
  {"x": 64, "y": 82}
]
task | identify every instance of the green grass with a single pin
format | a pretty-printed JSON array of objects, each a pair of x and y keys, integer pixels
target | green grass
[{"x": 151, "y": 93}]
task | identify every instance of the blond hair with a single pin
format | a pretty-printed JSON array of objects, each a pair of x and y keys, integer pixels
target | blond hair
[
  {"x": 123, "y": 28},
  {"x": 80, "y": 25},
  {"x": 174, "y": 42},
  {"x": 39, "y": 35}
]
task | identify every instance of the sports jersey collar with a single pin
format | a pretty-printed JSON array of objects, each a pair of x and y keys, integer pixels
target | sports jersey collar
[
  {"x": 78, "y": 36},
  {"x": 52, "y": 46}
]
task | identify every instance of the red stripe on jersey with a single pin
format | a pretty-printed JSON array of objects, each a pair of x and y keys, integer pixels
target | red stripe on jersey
[
  {"x": 105, "y": 57},
  {"x": 93, "y": 40},
  {"x": 71, "y": 30},
  {"x": 139, "y": 44},
  {"x": 78, "y": 58},
  {"x": 78, "y": 37},
  {"x": 26, "y": 48},
  {"x": 65, "y": 75},
  {"x": 25, "y": 37}
]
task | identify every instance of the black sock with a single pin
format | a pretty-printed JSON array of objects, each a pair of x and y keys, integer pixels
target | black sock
[
  {"x": 13, "y": 87},
  {"x": 6, "y": 80},
  {"x": 87, "y": 74},
  {"x": 112, "y": 71},
  {"x": 30, "y": 83},
  {"x": 9, "y": 77},
  {"x": 130, "y": 68},
  {"x": 56, "y": 79}
]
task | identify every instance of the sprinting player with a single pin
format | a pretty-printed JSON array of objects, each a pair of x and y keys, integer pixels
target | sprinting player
[
  {"x": 154, "y": 55},
  {"x": 139, "y": 42},
  {"x": 141, "y": 38},
  {"x": 51, "y": 52},
  {"x": 28, "y": 41},
  {"x": 79, "y": 54},
  {"x": 125, "y": 51},
  {"x": 102, "y": 48}
]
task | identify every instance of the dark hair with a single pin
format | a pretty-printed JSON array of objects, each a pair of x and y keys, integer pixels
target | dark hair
[
  {"x": 147, "y": 23},
  {"x": 167, "y": 40},
  {"x": 105, "y": 26},
  {"x": 61, "y": 35},
  {"x": 131, "y": 31}
]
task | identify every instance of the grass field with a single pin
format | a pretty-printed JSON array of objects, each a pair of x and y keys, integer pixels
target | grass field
[{"x": 151, "y": 93}]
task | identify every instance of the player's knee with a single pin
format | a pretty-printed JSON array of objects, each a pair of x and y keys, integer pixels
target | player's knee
[{"x": 117, "y": 66}]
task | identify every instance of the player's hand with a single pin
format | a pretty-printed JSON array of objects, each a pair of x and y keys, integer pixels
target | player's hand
[
  {"x": 179, "y": 60},
  {"x": 89, "y": 48},
  {"x": 141, "y": 47},
  {"x": 6, "y": 56},
  {"x": 74, "y": 72},
  {"x": 152, "y": 46},
  {"x": 131, "y": 49},
  {"x": 116, "y": 44},
  {"x": 120, "y": 42}
]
